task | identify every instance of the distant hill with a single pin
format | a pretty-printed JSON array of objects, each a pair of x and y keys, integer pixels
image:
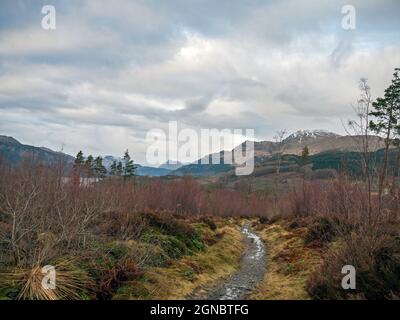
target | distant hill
[
  {"x": 108, "y": 161},
  {"x": 202, "y": 169},
  {"x": 171, "y": 165},
  {"x": 140, "y": 170},
  {"x": 13, "y": 152},
  {"x": 317, "y": 141},
  {"x": 327, "y": 151},
  {"x": 152, "y": 171},
  {"x": 324, "y": 165}
]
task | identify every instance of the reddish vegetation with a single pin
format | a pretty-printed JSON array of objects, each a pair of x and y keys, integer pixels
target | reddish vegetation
[{"x": 42, "y": 216}]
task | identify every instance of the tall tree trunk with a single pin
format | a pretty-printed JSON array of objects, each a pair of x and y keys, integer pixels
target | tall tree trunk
[{"x": 382, "y": 176}]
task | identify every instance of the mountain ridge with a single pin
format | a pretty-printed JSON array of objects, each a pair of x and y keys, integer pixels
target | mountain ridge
[
  {"x": 12, "y": 151},
  {"x": 317, "y": 141}
]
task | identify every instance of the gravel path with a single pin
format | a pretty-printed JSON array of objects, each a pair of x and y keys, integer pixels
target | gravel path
[{"x": 250, "y": 272}]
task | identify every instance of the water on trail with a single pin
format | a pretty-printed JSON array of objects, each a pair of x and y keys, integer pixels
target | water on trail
[{"x": 250, "y": 273}]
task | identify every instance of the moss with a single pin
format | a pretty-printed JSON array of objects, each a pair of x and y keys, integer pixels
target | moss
[
  {"x": 174, "y": 246},
  {"x": 289, "y": 268},
  {"x": 9, "y": 293},
  {"x": 188, "y": 273},
  {"x": 106, "y": 253},
  {"x": 170, "y": 225}
]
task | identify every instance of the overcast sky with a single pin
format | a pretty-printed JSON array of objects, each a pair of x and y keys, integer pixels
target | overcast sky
[{"x": 113, "y": 70}]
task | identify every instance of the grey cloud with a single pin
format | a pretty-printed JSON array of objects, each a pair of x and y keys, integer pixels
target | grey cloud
[{"x": 116, "y": 71}]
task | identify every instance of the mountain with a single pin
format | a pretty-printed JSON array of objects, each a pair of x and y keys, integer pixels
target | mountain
[
  {"x": 13, "y": 152},
  {"x": 304, "y": 138},
  {"x": 108, "y": 161},
  {"x": 140, "y": 170},
  {"x": 309, "y": 135},
  {"x": 152, "y": 171},
  {"x": 171, "y": 165},
  {"x": 317, "y": 141},
  {"x": 202, "y": 169}
]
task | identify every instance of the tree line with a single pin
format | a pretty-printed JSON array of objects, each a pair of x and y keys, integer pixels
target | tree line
[{"x": 94, "y": 168}]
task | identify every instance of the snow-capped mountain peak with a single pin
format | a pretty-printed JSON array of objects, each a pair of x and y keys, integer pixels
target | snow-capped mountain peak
[{"x": 301, "y": 135}]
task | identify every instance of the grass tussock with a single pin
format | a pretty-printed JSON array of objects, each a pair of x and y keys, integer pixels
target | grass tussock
[
  {"x": 289, "y": 263},
  {"x": 190, "y": 272},
  {"x": 71, "y": 283}
]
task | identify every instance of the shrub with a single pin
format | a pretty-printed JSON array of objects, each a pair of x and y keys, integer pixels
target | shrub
[
  {"x": 263, "y": 220},
  {"x": 169, "y": 225},
  {"x": 120, "y": 225},
  {"x": 377, "y": 263},
  {"x": 323, "y": 230},
  {"x": 210, "y": 223},
  {"x": 294, "y": 224},
  {"x": 111, "y": 278},
  {"x": 274, "y": 219}
]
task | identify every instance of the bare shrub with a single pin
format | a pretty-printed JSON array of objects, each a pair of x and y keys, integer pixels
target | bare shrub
[
  {"x": 111, "y": 278},
  {"x": 376, "y": 258}
]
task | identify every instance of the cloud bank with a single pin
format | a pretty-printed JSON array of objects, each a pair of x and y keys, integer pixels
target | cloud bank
[{"x": 112, "y": 71}]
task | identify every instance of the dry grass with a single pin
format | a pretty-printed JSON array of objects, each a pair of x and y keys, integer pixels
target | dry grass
[
  {"x": 71, "y": 283},
  {"x": 184, "y": 275},
  {"x": 289, "y": 263}
]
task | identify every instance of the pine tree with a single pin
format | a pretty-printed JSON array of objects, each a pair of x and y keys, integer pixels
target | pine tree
[
  {"x": 99, "y": 168},
  {"x": 89, "y": 164},
  {"x": 304, "y": 159},
  {"x": 79, "y": 160},
  {"x": 129, "y": 167},
  {"x": 113, "y": 168},
  {"x": 386, "y": 111},
  {"x": 119, "y": 169},
  {"x": 78, "y": 168}
]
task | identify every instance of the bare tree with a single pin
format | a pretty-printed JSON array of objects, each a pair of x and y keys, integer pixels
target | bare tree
[
  {"x": 280, "y": 146},
  {"x": 360, "y": 128}
]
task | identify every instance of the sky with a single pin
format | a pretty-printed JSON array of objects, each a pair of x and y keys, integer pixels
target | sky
[{"x": 112, "y": 71}]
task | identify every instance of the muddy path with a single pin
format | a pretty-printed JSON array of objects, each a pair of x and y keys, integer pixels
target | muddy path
[{"x": 250, "y": 273}]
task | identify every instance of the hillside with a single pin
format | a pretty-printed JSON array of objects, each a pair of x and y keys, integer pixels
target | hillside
[
  {"x": 171, "y": 165},
  {"x": 327, "y": 151},
  {"x": 317, "y": 142},
  {"x": 13, "y": 152}
]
